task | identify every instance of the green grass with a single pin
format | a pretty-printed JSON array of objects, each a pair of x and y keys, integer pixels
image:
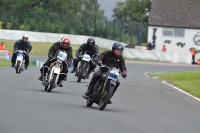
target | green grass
[
  {"x": 5, "y": 63},
  {"x": 188, "y": 81},
  {"x": 41, "y": 48}
]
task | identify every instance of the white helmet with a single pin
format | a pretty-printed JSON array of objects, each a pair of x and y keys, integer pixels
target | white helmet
[{"x": 25, "y": 36}]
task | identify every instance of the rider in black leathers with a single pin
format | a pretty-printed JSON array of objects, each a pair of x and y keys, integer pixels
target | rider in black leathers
[
  {"x": 64, "y": 44},
  {"x": 111, "y": 59},
  {"x": 89, "y": 48},
  {"x": 22, "y": 44}
]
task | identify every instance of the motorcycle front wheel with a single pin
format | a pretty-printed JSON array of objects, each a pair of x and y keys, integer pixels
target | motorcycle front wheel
[
  {"x": 52, "y": 82},
  {"x": 80, "y": 74},
  {"x": 18, "y": 67}
]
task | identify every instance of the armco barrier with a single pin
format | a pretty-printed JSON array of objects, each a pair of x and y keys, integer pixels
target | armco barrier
[
  {"x": 101, "y": 42},
  {"x": 4, "y": 55},
  {"x": 54, "y": 37},
  {"x": 153, "y": 55}
]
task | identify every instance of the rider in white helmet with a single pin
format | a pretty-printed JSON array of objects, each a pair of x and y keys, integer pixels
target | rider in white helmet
[{"x": 22, "y": 44}]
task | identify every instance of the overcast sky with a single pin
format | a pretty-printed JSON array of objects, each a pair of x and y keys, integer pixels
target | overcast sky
[{"x": 107, "y": 6}]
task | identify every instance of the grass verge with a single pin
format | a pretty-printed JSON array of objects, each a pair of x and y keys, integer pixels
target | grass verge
[
  {"x": 6, "y": 63},
  {"x": 41, "y": 48},
  {"x": 188, "y": 81}
]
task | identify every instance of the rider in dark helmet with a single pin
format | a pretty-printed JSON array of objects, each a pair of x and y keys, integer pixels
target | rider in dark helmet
[
  {"x": 89, "y": 48},
  {"x": 111, "y": 59},
  {"x": 64, "y": 44},
  {"x": 25, "y": 45}
]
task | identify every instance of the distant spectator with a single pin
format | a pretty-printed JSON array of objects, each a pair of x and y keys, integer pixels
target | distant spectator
[
  {"x": 163, "y": 48},
  {"x": 2, "y": 46},
  {"x": 193, "y": 52},
  {"x": 149, "y": 46}
]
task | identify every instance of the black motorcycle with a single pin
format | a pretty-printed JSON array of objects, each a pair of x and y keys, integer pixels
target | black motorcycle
[
  {"x": 104, "y": 87},
  {"x": 83, "y": 67}
]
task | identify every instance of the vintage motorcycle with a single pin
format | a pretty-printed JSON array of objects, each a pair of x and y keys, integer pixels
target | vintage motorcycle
[
  {"x": 104, "y": 88},
  {"x": 20, "y": 60},
  {"x": 55, "y": 69},
  {"x": 83, "y": 67}
]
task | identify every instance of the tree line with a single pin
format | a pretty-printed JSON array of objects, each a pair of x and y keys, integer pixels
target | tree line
[{"x": 81, "y": 17}]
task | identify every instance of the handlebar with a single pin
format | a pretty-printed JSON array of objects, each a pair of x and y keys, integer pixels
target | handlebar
[{"x": 20, "y": 50}]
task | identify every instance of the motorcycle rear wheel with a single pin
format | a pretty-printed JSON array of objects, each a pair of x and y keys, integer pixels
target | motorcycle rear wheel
[{"x": 106, "y": 96}]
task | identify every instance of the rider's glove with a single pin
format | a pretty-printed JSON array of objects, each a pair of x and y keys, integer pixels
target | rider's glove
[
  {"x": 124, "y": 74},
  {"x": 99, "y": 63},
  {"x": 15, "y": 50},
  {"x": 67, "y": 63},
  {"x": 27, "y": 52},
  {"x": 50, "y": 56},
  {"x": 78, "y": 55}
]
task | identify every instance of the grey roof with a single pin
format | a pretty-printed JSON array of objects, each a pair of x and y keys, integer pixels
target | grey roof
[{"x": 175, "y": 13}]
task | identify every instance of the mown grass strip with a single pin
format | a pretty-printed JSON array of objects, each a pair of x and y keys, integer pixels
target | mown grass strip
[
  {"x": 188, "y": 81},
  {"x": 41, "y": 48},
  {"x": 6, "y": 63}
]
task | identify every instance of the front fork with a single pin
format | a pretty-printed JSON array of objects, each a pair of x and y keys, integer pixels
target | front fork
[
  {"x": 112, "y": 83},
  {"x": 45, "y": 78}
]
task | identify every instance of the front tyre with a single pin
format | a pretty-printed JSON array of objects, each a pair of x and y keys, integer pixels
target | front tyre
[
  {"x": 17, "y": 68},
  {"x": 80, "y": 74},
  {"x": 106, "y": 96},
  {"x": 52, "y": 82}
]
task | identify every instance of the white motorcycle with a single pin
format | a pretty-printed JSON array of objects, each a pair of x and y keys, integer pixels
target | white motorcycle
[
  {"x": 20, "y": 61},
  {"x": 55, "y": 69}
]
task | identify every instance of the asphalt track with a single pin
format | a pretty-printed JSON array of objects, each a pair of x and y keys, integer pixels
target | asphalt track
[{"x": 140, "y": 105}]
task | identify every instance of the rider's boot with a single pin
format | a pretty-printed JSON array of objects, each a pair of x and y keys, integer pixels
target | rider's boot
[
  {"x": 88, "y": 93},
  {"x": 73, "y": 70},
  {"x": 59, "y": 84},
  {"x": 12, "y": 65},
  {"x": 40, "y": 78},
  {"x": 26, "y": 67}
]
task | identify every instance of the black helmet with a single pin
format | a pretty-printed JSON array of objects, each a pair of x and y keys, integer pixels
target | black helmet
[
  {"x": 90, "y": 41},
  {"x": 117, "y": 45}
]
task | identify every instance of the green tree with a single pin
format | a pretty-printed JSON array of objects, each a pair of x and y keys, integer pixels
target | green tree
[
  {"x": 132, "y": 12},
  {"x": 60, "y": 16}
]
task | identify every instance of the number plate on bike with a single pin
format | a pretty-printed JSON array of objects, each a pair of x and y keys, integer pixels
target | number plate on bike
[
  {"x": 113, "y": 75},
  {"x": 20, "y": 52},
  {"x": 86, "y": 57},
  {"x": 62, "y": 56}
]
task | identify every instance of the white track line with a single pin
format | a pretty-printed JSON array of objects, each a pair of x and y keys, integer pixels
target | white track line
[
  {"x": 181, "y": 91},
  {"x": 146, "y": 74},
  {"x": 164, "y": 82}
]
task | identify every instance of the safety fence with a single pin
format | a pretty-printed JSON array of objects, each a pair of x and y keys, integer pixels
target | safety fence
[
  {"x": 139, "y": 53},
  {"x": 153, "y": 55},
  {"x": 4, "y": 55}
]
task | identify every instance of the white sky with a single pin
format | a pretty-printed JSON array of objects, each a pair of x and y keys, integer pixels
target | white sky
[{"x": 108, "y": 6}]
